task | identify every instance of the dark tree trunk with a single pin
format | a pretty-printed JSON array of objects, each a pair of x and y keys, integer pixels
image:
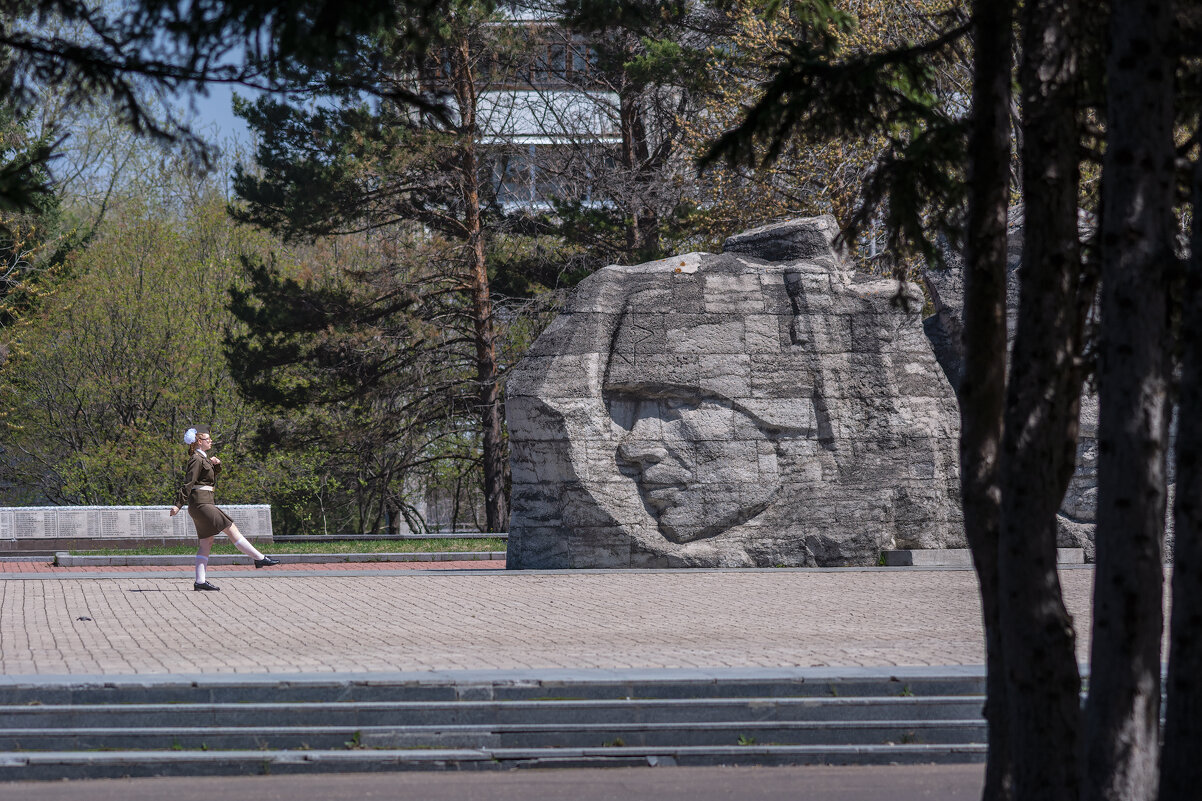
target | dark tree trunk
[
  {"x": 493, "y": 459},
  {"x": 642, "y": 226},
  {"x": 1122, "y": 714},
  {"x": 983, "y": 385},
  {"x": 1181, "y": 761},
  {"x": 1040, "y": 419}
]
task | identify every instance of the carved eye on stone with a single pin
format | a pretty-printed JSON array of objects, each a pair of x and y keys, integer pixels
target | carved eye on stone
[{"x": 674, "y": 407}]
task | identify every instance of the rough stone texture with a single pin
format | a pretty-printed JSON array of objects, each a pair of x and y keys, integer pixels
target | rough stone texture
[
  {"x": 1078, "y": 513},
  {"x": 729, "y": 410},
  {"x": 792, "y": 240}
]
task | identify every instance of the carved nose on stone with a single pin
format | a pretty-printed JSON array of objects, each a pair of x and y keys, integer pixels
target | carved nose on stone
[{"x": 642, "y": 453}]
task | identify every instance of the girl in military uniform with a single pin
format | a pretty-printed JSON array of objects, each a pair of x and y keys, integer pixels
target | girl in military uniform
[{"x": 200, "y": 479}]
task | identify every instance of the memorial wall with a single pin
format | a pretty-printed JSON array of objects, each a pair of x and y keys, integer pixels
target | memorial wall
[{"x": 54, "y": 526}]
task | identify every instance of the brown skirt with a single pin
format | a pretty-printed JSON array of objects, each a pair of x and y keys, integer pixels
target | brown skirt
[{"x": 209, "y": 520}]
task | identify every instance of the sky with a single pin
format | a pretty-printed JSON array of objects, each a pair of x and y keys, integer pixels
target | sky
[{"x": 216, "y": 112}]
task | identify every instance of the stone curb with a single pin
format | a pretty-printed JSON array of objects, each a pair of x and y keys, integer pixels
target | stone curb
[
  {"x": 495, "y": 686},
  {"x": 474, "y": 678},
  {"x": 501, "y": 572},
  {"x": 961, "y": 557},
  {"x": 65, "y": 559}
]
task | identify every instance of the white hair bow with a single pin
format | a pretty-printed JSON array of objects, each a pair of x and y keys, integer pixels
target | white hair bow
[{"x": 189, "y": 436}]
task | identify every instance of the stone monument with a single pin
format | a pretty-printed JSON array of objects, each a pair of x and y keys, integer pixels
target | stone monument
[
  {"x": 1077, "y": 517},
  {"x": 756, "y": 408}
]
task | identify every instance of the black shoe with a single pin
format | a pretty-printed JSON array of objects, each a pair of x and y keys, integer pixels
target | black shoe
[
  {"x": 204, "y": 585},
  {"x": 266, "y": 561}
]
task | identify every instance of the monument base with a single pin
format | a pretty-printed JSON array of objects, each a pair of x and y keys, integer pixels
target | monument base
[{"x": 961, "y": 557}]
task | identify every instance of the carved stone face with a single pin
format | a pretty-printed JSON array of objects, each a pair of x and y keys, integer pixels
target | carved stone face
[
  {"x": 701, "y": 465},
  {"x": 759, "y": 407}
]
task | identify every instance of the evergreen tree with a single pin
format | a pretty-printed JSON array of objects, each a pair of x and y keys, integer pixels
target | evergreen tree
[
  {"x": 646, "y": 76},
  {"x": 132, "y": 56},
  {"x": 33, "y": 244},
  {"x": 982, "y": 388},
  {"x": 355, "y": 167}
]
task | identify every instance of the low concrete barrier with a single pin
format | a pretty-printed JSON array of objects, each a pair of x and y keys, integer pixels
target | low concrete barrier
[
  {"x": 76, "y": 527},
  {"x": 165, "y": 560},
  {"x": 961, "y": 557}
]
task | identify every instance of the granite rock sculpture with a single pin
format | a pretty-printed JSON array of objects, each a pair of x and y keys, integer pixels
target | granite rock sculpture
[
  {"x": 759, "y": 407},
  {"x": 1077, "y": 518}
]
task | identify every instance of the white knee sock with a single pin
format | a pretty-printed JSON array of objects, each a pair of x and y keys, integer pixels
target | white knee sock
[
  {"x": 243, "y": 544},
  {"x": 201, "y": 561}
]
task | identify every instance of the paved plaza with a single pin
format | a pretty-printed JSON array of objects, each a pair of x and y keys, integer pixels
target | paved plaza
[{"x": 149, "y": 621}]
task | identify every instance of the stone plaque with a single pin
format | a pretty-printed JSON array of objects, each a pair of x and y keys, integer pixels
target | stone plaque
[
  {"x": 119, "y": 521},
  {"x": 32, "y": 525},
  {"x": 72, "y": 523},
  {"x": 182, "y": 525},
  {"x": 157, "y": 523}
]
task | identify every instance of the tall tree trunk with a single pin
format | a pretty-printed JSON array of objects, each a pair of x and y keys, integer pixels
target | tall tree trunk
[
  {"x": 1122, "y": 714},
  {"x": 983, "y": 385},
  {"x": 1180, "y": 765},
  {"x": 496, "y": 503},
  {"x": 642, "y": 227},
  {"x": 1040, "y": 419}
]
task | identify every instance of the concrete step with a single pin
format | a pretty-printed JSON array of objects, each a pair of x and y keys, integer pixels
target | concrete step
[
  {"x": 567, "y": 735},
  {"x": 358, "y": 713},
  {"x": 27, "y": 766},
  {"x": 95, "y": 727},
  {"x": 581, "y": 685}
]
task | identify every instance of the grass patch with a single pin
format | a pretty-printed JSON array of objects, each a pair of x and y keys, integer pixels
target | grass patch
[{"x": 223, "y": 546}]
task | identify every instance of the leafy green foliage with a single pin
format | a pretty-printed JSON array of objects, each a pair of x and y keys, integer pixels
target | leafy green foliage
[
  {"x": 33, "y": 241},
  {"x": 23, "y": 161},
  {"x": 101, "y": 380}
]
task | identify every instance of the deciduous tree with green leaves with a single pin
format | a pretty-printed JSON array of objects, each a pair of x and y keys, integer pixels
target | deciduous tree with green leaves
[{"x": 103, "y": 376}]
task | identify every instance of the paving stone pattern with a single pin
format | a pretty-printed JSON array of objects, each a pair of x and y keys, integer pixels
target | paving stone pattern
[
  {"x": 504, "y": 620},
  {"x": 761, "y": 407}
]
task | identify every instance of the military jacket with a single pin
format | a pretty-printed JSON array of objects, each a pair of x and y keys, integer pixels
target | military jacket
[{"x": 200, "y": 472}]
